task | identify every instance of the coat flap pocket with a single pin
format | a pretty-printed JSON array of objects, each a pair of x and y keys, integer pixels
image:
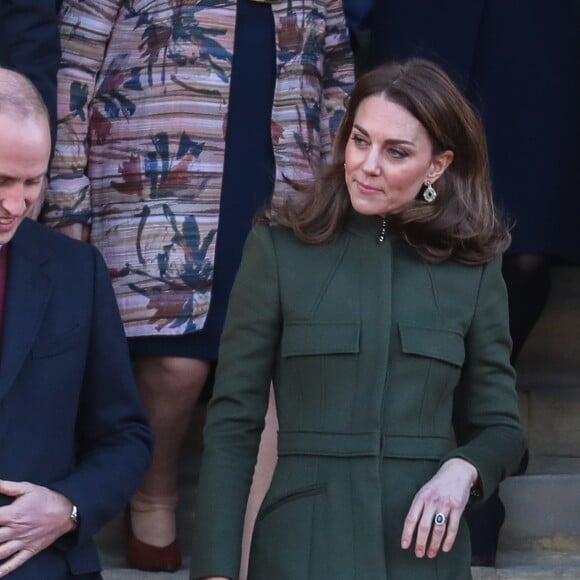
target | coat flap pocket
[
  {"x": 308, "y": 338},
  {"x": 440, "y": 343}
]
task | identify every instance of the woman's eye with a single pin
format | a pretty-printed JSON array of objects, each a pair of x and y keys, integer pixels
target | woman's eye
[
  {"x": 358, "y": 140},
  {"x": 398, "y": 153}
]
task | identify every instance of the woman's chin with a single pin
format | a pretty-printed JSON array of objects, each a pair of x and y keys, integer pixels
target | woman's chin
[{"x": 365, "y": 208}]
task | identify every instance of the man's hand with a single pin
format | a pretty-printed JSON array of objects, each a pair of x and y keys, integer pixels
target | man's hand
[
  {"x": 445, "y": 493},
  {"x": 33, "y": 521}
]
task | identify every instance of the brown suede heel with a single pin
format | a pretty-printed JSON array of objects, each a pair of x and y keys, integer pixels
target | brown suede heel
[{"x": 144, "y": 556}]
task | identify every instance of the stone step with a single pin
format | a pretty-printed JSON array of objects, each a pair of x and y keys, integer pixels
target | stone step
[
  {"x": 511, "y": 565},
  {"x": 126, "y": 574},
  {"x": 551, "y": 418},
  {"x": 542, "y": 513},
  {"x": 549, "y": 374},
  {"x": 531, "y": 566},
  {"x": 550, "y": 357}
]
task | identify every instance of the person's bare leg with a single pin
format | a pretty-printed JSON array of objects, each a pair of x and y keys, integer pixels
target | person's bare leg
[
  {"x": 169, "y": 387},
  {"x": 267, "y": 457}
]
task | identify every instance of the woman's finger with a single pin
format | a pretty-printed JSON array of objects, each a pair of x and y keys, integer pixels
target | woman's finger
[
  {"x": 411, "y": 521},
  {"x": 440, "y": 523},
  {"x": 424, "y": 529},
  {"x": 453, "y": 523}
]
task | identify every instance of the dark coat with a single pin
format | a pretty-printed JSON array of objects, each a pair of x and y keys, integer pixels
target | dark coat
[
  {"x": 519, "y": 62},
  {"x": 371, "y": 350},
  {"x": 70, "y": 416},
  {"x": 29, "y": 44}
]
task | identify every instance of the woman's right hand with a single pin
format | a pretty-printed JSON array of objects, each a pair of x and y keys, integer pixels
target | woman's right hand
[{"x": 446, "y": 493}]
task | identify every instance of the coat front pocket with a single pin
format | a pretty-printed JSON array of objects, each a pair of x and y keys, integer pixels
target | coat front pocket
[
  {"x": 275, "y": 503},
  {"x": 424, "y": 374},
  {"x": 319, "y": 368},
  {"x": 281, "y": 542},
  {"x": 438, "y": 343},
  {"x": 308, "y": 338}
]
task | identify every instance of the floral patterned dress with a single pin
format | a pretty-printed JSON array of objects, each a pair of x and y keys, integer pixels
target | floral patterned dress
[{"x": 144, "y": 87}]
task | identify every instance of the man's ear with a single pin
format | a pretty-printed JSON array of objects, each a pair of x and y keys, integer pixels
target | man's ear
[{"x": 439, "y": 164}]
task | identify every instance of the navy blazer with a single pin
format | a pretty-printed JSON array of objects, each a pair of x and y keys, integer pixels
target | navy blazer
[
  {"x": 70, "y": 415},
  {"x": 29, "y": 44}
]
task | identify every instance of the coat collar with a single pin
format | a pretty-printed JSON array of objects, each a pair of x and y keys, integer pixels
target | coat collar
[
  {"x": 27, "y": 292},
  {"x": 367, "y": 226}
]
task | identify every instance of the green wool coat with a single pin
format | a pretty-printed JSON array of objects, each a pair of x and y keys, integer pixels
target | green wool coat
[{"x": 375, "y": 355}]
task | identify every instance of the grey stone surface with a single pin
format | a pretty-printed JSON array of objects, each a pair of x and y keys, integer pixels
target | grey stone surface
[
  {"x": 531, "y": 566},
  {"x": 543, "y": 513},
  {"x": 126, "y": 574},
  {"x": 554, "y": 422},
  {"x": 512, "y": 566},
  {"x": 551, "y": 355}
]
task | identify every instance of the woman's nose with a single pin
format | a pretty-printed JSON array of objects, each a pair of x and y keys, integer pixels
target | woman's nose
[{"x": 371, "y": 163}]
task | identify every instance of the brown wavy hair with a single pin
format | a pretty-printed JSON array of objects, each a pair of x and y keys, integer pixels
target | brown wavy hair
[{"x": 463, "y": 223}]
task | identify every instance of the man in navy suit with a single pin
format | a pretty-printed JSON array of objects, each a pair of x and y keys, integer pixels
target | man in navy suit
[{"x": 74, "y": 442}]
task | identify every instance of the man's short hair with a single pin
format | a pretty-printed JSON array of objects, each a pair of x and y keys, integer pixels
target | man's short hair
[{"x": 19, "y": 97}]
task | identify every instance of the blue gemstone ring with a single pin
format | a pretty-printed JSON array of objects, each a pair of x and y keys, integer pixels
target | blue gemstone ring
[{"x": 440, "y": 519}]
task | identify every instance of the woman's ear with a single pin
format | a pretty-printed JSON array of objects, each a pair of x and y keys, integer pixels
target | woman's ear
[{"x": 439, "y": 164}]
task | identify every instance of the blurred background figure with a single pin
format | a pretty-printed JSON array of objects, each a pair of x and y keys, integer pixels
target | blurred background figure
[
  {"x": 29, "y": 44},
  {"x": 178, "y": 119},
  {"x": 358, "y": 18},
  {"x": 518, "y": 61}
]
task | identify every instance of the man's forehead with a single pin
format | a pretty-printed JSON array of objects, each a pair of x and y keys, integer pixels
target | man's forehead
[
  {"x": 9, "y": 116},
  {"x": 14, "y": 110},
  {"x": 24, "y": 144}
]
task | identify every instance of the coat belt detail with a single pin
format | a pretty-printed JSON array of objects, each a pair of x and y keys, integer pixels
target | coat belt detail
[{"x": 365, "y": 444}]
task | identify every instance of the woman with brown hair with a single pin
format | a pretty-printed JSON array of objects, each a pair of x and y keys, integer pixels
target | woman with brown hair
[{"x": 374, "y": 301}]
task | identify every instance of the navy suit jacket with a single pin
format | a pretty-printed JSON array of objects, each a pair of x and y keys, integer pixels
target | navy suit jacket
[
  {"x": 70, "y": 416},
  {"x": 29, "y": 44}
]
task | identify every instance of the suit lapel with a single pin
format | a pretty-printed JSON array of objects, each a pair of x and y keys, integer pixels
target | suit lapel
[{"x": 27, "y": 291}]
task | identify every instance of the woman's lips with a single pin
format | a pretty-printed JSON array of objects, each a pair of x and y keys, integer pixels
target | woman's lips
[{"x": 367, "y": 189}]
